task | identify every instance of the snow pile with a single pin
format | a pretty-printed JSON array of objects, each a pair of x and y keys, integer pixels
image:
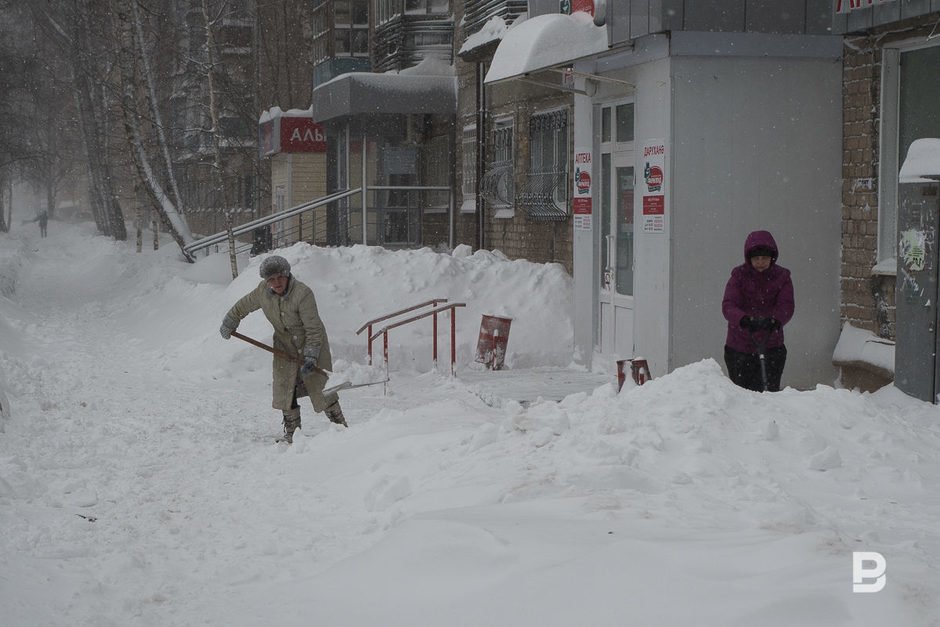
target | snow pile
[
  {"x": 858, "y": 346},
  {"x": 139, "y": 483}
]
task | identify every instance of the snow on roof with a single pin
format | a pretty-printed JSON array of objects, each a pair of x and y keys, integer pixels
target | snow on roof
[
  {"x": 922, "y": 164},
  {"x": 276, "y": 112},
  {"x": 546, "y": 41},
  {"x": 494, "y": 29},
  {"x": 858, "y": 346},
  {"x": 429, "y": 66}
]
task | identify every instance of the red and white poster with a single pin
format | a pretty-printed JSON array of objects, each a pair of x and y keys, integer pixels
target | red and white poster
[
  {"x": 653, "y": 186},
  {"x": 582, "y": 203}
]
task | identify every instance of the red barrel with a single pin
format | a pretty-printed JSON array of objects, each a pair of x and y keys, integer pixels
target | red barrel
[{"x": 494, "y": 336}]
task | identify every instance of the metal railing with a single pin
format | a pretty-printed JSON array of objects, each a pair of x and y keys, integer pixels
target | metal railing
[
  {"x": 224, "y": 236},
  {"x": 433, "y": 303}
]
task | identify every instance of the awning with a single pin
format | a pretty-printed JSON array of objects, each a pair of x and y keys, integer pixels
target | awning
[
  {"x": 365, "y": 93},
  {"x": 546, "y": 42}
]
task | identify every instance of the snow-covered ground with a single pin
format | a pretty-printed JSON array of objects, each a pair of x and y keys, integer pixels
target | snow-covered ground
[{"x": 139, "y": 484}]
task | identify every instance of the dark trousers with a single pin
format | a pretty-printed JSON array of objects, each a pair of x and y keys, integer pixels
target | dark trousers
[{"x": 744, "y": 368}]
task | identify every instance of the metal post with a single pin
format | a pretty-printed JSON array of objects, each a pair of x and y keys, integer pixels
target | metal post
[
  {"x": 434, "y": 339},
  {"x": 365, "y": 195},
  {"x": 369, "y": 336},
  {"x": 453, "y": 341},
  {"x": 385, "y": 352},
  {"x": 481, "y": 155},
  {"x": 385, "y": 348}
]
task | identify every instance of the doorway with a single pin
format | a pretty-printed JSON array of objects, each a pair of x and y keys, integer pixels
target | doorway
[{"x": 615, "y": 261}]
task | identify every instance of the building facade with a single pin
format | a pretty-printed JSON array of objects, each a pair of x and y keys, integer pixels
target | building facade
[
  {"x": 889, "y": 251},
  {"x": 691, "y": 126}
]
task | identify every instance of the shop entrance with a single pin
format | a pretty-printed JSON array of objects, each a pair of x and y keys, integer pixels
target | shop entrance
[{"x": 615, "y": 261}]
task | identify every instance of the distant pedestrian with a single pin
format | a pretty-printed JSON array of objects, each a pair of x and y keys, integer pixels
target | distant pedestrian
[
  {"x": 43, "y": 222},
  {"x": 758, "y": 302},
  {"x": 291, "y": 308}
]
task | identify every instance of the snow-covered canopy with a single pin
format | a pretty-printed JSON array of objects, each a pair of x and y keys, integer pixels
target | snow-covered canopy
[
  {"x": 922, "y": 164},
  {"x": 367, "y": 93},
  {"x": 544, "y": 42}
]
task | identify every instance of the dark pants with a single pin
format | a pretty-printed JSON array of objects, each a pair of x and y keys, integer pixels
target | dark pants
[{"x": 744, "y": 368}]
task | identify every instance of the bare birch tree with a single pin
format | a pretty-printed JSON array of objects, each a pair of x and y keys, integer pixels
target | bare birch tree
[{"x": 129, "y": 61}]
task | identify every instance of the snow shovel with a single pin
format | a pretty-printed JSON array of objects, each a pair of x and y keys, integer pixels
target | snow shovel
[
  {"x": 349, "y": 385},
  {"x": 346, "y": 385},
  {"x": 761, "y": 350},
  {"x": 281, "y": 354}
]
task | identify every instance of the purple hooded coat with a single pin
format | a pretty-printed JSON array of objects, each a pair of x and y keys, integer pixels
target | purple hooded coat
[{"x": 767, "y": 294}]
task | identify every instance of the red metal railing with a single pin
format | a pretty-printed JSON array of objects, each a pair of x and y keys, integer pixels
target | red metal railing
[{"x": 451, "y": 307}]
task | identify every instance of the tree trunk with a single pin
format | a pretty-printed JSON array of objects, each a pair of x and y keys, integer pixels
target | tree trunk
[
  {"x": 106, "y": 209},
  {"x": 216, "y": 145},
  {"x": 155, "y": 110},
  {"x": 160, "y": 201}
]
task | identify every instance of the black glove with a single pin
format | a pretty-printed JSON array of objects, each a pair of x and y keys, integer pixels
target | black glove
[
  {"x": 766, "y": 324},
  {"x": 229, "y": 324},
  {"x": 310, "y": 364},
  {"x": 749, "y": 323},
  {"x": 759, "y": 324},
  {"x": 311, "y": 356}
]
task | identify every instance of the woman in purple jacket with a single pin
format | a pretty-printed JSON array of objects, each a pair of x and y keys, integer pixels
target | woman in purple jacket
[{"x": 758, "y": 302}]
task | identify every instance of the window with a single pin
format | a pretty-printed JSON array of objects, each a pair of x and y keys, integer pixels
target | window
[
  {"x": 545, "y": 195},
  {"x": 498, "y": 186},
  {"x": 425, "y": 7},
  {"x": 909, "y": 99},
  {"x": 469, "y": 169},
  {"x": 625, "y": 122},
  {"x": 385, "y": 10}
]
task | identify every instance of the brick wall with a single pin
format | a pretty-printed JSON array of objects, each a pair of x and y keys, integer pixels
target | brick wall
[
  {"x": 867, "y": 299},
  {"x": 517, "y": 237}
]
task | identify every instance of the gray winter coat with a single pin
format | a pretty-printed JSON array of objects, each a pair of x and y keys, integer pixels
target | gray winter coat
[{"x": 298, "y": 330}]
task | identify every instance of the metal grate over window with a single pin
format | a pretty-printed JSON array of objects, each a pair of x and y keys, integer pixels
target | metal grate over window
[{"x": 544, "y": 196}]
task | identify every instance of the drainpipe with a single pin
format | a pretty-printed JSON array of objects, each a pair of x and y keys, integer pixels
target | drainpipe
[
  {"x": 365, "y": 192},
  {"x": 481, "y": 155}
]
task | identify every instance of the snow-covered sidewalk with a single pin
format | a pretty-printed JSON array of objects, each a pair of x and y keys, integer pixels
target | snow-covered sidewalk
[{"x": 139, "y": 483}]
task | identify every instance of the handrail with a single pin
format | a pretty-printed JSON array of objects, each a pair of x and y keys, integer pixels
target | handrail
[
  {"x": 413, "y": 318},
  {"x": 433, "y": 301},
  {"x": 218, "y": 238},
  {"x": 452, "y": 307}
]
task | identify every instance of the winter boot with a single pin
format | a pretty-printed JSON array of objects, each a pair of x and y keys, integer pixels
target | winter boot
[
  {"x": 335, "y": 413},
  {"x": 291, "y": 424}
]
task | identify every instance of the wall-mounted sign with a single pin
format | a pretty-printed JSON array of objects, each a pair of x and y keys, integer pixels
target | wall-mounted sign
[
  {"x": 847, "y": 6},
  {"x": 291, "y": 134},
  {"x": 653, "y": 186},
  {"x": 582, "y": 204},
  {"x": 574, "y": 6}
]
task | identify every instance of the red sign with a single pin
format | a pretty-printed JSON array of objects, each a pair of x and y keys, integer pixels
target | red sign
[
  {"x": 583, "y": 5},
  {"x": 654, "y": 205},
  {"x": 847, "y": 6},
  {"x": 584, "y": 182},
  {"x": 581, "y": 206},
  {"x": 301, "y": 135}
]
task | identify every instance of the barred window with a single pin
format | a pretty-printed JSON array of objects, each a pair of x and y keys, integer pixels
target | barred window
[
  {"x": 545, "y": 194},
  {"x": 469, "y": 168},
  {"x": 498, "y": 186}
]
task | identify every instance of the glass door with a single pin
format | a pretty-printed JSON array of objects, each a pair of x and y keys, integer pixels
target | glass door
[{"x": 616, "y": 250}]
